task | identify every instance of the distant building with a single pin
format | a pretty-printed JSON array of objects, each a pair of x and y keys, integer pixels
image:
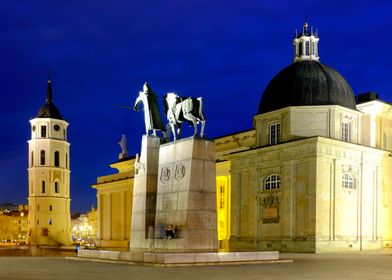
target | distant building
[
  {"x": 49, "y": 177},
  {"x": 9, "y": 207},
  {"x": 84, "y": 227},
  {"x": 13, "y": 224}
]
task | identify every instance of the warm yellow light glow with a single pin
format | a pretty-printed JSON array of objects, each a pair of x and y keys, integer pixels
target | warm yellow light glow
[{"x": 223, "y": 209}]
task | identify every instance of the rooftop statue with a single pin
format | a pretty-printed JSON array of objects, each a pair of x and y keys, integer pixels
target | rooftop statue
[
  {"x": 152, "y": 116},
  {"x": 123, "y": 145},
  {"x": 179, "y": 109}
]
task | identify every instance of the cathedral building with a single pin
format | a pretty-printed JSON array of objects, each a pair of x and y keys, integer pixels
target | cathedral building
[
  {"x": 316, "y": 177},
  {"x": 49, "y": 177},
  {"x": 313, "y": 175}
]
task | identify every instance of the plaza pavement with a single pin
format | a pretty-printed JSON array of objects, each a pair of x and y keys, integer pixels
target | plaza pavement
[{"x": 369, "y": 265}]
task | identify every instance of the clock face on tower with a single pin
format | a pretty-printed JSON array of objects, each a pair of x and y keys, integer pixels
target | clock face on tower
[{"x": 56, "y": 127}]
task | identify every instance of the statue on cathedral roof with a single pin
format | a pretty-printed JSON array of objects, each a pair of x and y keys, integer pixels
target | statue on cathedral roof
[{"x": 123, "y": 145}]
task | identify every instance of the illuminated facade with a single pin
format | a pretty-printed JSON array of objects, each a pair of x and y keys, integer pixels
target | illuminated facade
[
  {"x": 13, "y": 225},
  {"x": 49, "y": 177},
  {"x": 312, "y": 176},
  {"x": 316, "y": 178},
  {"x": 114, "y": 197}
]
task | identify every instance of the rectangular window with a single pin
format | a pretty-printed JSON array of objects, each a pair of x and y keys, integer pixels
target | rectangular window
[
  {"x": 43, "y": 131},
  {"x": 42, "y": 160},
  {"x": 56, "y": 187},
  {"x": 43, "y": 187},
  {"x": 56, "y": 158},
  {"x": 274, "y": 133},
  {"x": 307, "y": 48},
  {"x": 221, "y": 203},
  {"x": 346, "y": 131}
]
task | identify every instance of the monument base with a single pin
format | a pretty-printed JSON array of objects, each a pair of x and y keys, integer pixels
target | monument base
[
  {"x": 186, "y": 196},
  {"x": 181, "y": 259}
]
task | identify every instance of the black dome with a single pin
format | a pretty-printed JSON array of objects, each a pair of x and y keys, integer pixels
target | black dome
[
  {"x": 49, "y": 110},
  {"x": 306, "y": 83}
]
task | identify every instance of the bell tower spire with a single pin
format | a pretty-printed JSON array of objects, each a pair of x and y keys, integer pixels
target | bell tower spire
[
  {"x": 49, "y": 95},
  {"x": 306, "y": 44}
]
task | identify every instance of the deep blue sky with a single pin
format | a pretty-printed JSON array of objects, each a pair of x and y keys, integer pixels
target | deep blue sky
[{"x": 101, "y": 53}]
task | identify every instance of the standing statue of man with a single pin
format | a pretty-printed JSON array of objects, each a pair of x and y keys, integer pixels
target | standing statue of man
[
  {"x": 123, "y": 145},
  {"x": 152, "y": 116}
]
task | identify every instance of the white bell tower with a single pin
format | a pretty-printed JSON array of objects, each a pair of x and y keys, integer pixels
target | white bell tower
[
  {"x": 49, "y": 220},
  {"x": 306, "y": 44}
]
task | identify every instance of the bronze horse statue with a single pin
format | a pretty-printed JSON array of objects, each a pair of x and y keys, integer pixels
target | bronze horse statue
[{"x": 184, "y": 109}]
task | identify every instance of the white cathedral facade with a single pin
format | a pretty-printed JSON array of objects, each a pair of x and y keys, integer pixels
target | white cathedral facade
[{"x": 49, "y": 220}]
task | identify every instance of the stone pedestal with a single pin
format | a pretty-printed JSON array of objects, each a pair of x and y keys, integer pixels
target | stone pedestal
[
  {"x": 186, "y": 196},
  {"x": 144, "y": 195}
]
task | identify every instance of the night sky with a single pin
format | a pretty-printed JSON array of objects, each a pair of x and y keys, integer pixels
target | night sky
[{"x": 101, "y": 54}]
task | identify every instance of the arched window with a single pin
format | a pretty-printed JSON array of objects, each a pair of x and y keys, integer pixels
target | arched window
[
  {"x": 56, "y": 158},
  {"x": 272, "y": 182},
  {"x": 32, "y": 158},
  {"x": 42, "y": 161},
  {"x": 300, "y": 49},
  {"x": 66, "y": 160},
  {"x": 56, "y": 187},
  {"x": 43, "y": 187},
  {"x": 348, "y": 181},
  {"x": 307, "y": 48}
]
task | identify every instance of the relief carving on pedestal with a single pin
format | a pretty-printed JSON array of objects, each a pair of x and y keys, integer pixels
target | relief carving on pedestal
[
  {"x": 270, "y": 205},
  {"x": 165, "y": 175},
  {"x": 179, "y": 173}
]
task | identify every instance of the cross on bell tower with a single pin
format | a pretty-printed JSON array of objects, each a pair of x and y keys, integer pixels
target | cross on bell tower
[{"x": 306, "y": 44}]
